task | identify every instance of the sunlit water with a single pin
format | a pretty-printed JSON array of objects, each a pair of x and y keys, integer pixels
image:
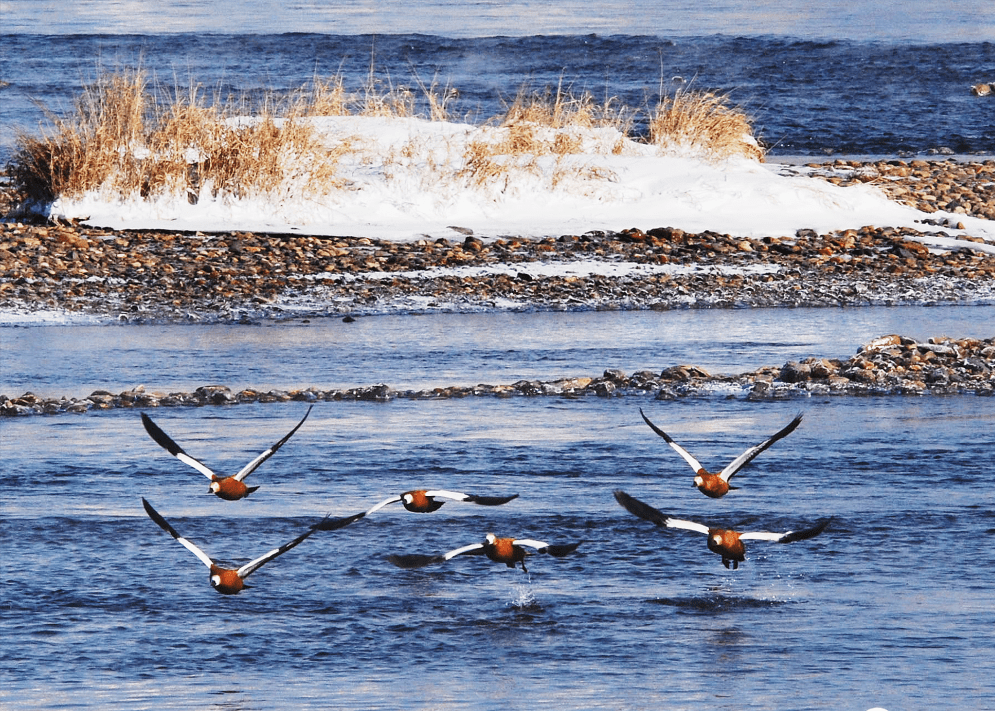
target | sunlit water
[
  {"x": 892, "y": 606},
  {"x": 881, "y": 20}
]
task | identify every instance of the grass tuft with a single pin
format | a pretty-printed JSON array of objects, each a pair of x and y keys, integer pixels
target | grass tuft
[
  {"x": 703, "y": 122},
  {"x": 325, "y": 98},
  {"x": 121, "y": 140}
]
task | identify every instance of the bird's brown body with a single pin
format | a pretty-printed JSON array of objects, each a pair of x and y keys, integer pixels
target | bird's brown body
[
  {"x": 226, "y": 581},
  {"x": 504, "y": 550},
  {"x": 417, "y": 501},
  {"x": 727, "y": 544},
  {"x": 711, "y": 485},
  {"x": 229, "y": 488}
]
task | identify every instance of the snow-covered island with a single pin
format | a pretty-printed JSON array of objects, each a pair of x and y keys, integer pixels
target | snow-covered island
[{"x": 379, "y": 212}]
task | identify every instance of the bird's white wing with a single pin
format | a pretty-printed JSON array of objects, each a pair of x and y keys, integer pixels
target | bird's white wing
[
  {"x": 790, "y": 536},
  {"x": 530, "y": 543},
  {"x": 246, "y": 569},
  {"x": 443, "y": 494},
  {"x": 472, "y": 498},
  {"x": 465, "y": 549},
  {"x": 649, "y": 513},
  {"x": 761, "y": 536},
  {"x": 385, "y": 502},
  {"x": 749, "y": 455},
  {"x": 688, "y": 525},
  {"x": 204, "y": 558},
  {"x": 254, "y": 464},
  {"x": 164, "y": 525},
  {"x": 164, "y": 441},
  {"x": 196, "y": 464},
  {"x": 695, "y": 464}
]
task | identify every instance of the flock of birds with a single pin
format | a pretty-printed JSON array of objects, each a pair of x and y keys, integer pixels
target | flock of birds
[{"x": 510, "y": 551}]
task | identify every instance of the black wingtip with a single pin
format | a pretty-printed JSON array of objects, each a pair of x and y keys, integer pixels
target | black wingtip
[
  {"x": 292, "y": 432},
  {"x": 654, "y": 427},
  {"x": 414, "y": 560},
  {"x": 334, "y": 524},
  {"x": 561, "y": 550},
  {"x": 160, "y": 437},
  {"x": 786, "y": 430},
  {"x": 491, "y": 500},
  {"x": 149, "y": 510},
  {"x": 158, "y": 519},
  {"x": 640, "y": 509},
  {"x": 807, "y": 533}
]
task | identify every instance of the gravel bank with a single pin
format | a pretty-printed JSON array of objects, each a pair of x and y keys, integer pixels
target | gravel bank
[
  {"x": 890, "y": 365},
  {"x": 155, "y": 276}
]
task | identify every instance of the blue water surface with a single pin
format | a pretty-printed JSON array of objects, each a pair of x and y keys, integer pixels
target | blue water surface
[
  {"x": 808, "y": 97},
  {"x": 102, "y": 609}
]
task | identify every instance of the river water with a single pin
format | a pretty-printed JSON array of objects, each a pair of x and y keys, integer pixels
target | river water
[
  {"x": 867, "y": 78},
  {"x": 101, "y": 609}
]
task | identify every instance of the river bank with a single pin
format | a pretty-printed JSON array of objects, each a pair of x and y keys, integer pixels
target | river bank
[
  {"x": 890, "y": 365},
  {"x": 159, "y": 276}
]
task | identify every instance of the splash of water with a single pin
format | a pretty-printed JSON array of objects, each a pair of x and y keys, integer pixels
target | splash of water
[{"x": 524, "y": 595}]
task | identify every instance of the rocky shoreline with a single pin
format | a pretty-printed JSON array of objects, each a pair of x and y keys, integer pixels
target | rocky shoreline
[
  {"x": 159, "y": 276},
  {"x": 890, "y": 365}
]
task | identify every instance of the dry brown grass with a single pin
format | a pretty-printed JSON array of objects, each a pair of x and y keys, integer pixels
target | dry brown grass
[
  {"x": 325, "y": 97},
  {"x": 381, "y": 98},
  {"x": 439, "y": 99},
  {"x": 129, "y": 139},
  {"x": 551, "y": 121},
  {"x": 704, "y": 122},
  {"x": 536, "y": 124},
  {"x": 122, "y": 140},
  {"x": 560, "y": 109},
  {"x": 480, "y": 165},
  {"x": 64, "y": 161}
]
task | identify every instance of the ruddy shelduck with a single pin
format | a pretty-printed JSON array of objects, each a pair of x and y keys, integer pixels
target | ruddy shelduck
[
  {"x": 717, "y": 485},
  {"x": 229, "y": 488},
  {"x": 230, "y": 581},
  {"x": 501, "y": 550},
  {"x": 428, "y": 500},
  {"x": 726, "y": 542}
]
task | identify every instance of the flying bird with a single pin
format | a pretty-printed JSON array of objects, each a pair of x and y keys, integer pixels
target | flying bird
[
  {"x": 717, "y": 485},
  {"x": 229, "y": 488},
  {"x": 427, "y": 501},
  {"x": 229, "y": 581},
  {"x": 501, "y": 550},
  {"x": 727, "y": 543}
]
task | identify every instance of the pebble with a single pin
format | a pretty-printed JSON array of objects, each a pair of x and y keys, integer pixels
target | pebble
[
  {"x": 963, "y": 187},
  {"x": 889, "y": 365}
]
